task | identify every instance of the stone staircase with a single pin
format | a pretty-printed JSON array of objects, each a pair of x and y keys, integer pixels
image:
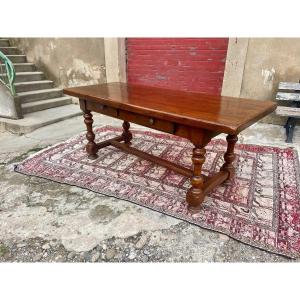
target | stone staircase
[{"x": 42, "y": 103}]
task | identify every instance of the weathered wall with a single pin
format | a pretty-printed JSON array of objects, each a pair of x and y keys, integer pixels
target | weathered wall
[
  {"x": 267, "y": 62},
  {"x": 115, "y": 59},
  {"x": 67, "y": 61},
  {"x": 234, "y": 67},
  {"x": 194, "y": 64}
]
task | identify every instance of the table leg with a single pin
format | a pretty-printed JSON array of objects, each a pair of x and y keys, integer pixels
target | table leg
[
  {"x": 195, "y": 194},
  {"x": 127, "y": 135},
  {"x": 229, "y": 155},
  {"x": 91, "y": 147}
]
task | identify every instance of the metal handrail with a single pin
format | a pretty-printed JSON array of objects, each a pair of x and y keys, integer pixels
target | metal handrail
[{"x": 7, "y": 73}]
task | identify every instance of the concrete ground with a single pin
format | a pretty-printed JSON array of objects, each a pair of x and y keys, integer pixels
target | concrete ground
[{"x": 46, "y": 221}]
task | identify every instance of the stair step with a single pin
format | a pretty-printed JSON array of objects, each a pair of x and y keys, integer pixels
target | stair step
[
  {"x": 33, "y": 85},
  {"x": 4, "y": 43},
  {"x": 45, "y": 104},
  {"x": 10, "y": 50},
  {"x": 29, "y": 76},
  {"x": 39, "y": 119},
  {"x": 17, "y": 58},
  {"x": 24, "y": 67},
  {"x": 36, "y": 95}
]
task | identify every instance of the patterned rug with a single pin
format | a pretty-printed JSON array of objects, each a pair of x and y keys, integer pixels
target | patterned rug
[{"x": 260, "y": 206}]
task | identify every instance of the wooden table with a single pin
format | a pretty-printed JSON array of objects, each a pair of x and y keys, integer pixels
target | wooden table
[{"x": 197, "y": 117}]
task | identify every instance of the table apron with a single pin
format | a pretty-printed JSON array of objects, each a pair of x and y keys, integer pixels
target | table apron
[
  {"x": 143, "y": 120},
  {"x": 151, "y": 122}
]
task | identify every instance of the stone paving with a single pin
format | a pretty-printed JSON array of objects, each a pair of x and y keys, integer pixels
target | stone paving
[{"x": 43, "y": 221}]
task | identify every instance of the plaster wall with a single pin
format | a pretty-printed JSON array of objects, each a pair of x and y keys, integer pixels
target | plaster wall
[
  {"x": 115, "y": 59},
  {"x": 260, "y": 67},
  {"x": 66, "y": 61},
  {"x": 234, "y": 67}
]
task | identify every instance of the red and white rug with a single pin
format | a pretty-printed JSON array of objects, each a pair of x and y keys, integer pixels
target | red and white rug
[{"x": 260, "y": 206}]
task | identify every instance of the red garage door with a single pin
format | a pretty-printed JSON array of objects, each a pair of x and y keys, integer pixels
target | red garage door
[{"x": 194, "y": 64}]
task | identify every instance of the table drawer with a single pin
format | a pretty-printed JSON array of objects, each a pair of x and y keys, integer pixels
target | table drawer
[
  {"x": 154, "y": 123},
  {"x": 103, "y": 109}
]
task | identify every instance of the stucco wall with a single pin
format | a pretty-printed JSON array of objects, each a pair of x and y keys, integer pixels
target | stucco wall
[
  {"x": 66, "y": 61},
  {"x": 115, "y": 59},
  {"x": 267, "y": 62}
]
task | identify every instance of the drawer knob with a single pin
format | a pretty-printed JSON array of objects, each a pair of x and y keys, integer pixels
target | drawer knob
[
  {"x": 101, "y": 106},
  {"x": 151, "y": 121}
]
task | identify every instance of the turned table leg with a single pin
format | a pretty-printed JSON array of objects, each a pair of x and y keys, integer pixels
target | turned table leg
[
  {"x": 91, "y": 147},
  {"x": 229, "y": 155},
  {"x": 127, "y": 135},
  {"x": 195, "y": 194}
]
